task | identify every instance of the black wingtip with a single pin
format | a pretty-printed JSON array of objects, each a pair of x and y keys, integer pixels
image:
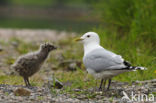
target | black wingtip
[{"x": 127, "y": 63}]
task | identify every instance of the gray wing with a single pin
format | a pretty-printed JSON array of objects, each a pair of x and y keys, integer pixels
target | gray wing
[{"x": 101, "y": 59}]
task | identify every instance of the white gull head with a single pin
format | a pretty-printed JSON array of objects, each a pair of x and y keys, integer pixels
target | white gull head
[{"x": 90, "y": 41}]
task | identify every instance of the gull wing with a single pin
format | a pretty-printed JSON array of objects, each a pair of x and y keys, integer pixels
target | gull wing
[{"x": 102, "y": 59}]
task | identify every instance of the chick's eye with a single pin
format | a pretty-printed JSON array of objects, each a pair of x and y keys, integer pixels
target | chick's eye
[{"x": 88, "y": 36}]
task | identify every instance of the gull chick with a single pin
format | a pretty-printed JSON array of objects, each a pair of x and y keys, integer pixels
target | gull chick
[
  {"x": 101, "y": 63},
  {"x": 30, "y": 63}
]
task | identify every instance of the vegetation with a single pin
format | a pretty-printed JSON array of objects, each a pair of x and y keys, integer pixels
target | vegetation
[
  {"x": 131, "y": 32},
  {"x": 48, "y": 3}
]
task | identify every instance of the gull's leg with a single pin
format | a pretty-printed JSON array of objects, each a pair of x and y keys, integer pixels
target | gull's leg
[
  {"x": 104, "y": 84},
  {"x": 100, "y": 88},
  {"x": 109, "y": 82}
]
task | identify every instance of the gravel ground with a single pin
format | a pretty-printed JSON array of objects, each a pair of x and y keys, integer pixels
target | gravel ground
[
  {"x": 45, "y": 95},
  {"x": 37, "y": 95}
]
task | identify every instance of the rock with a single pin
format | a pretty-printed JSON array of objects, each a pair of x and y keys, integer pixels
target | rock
[
  {"x": 67, "y": 83},
  {"x": 22, "y": 92},
  {"x": 53, "y": 82},
  {"x": 58, "y": 84},
  {"x": 15, "y": 44},
  {"x": 146, "y": 81},
  {"x": 154, "y": 84},
  {"x": 81, "y": 97},
  {"x": 77, "y": 90},
  {"x": 54, "y": 67},
  {"x": 70, "y": 65},
  {"x": 59, "y": 57}
]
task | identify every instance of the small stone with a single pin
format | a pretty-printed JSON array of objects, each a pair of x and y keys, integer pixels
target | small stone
[
  {"x": 153, "y": 89},
  {"x": 53, "y": 82},
  {"x": 59, "y": 57},
  {"x": 77, "y": 90},
  {"x": 147, "y": 81},
  {"x": 15, "y": 44},
  {"x": 58, "y": 84},
  {"x": 72, "y": 66},
  {"x": 154, "y": 84},
  {"x": 22, "y": 92}
]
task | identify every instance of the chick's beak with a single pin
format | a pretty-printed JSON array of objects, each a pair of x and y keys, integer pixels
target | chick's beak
[{"x": 78, "y": 39}]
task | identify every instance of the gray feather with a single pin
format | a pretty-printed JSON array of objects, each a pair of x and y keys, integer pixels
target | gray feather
[{"x": 102, "y": 59}]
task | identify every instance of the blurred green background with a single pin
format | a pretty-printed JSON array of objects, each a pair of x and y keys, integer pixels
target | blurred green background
[
  {"x": 127, "y": 27},
  {"x": 65, "y": 15}
]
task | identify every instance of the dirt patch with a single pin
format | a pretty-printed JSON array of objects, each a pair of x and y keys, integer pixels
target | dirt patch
[{"x": 35, "y": 35}]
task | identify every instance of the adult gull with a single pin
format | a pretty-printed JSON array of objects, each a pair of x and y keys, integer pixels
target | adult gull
[{"x": 102, "y": 63}]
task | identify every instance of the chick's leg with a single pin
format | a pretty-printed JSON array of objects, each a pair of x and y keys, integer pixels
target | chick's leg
[
  {"x": 28, "y": 82},
  {"x": 25, "y": 80}
]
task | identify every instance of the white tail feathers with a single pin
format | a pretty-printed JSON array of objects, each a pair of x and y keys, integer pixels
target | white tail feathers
[{"x": 137, "y": 68}]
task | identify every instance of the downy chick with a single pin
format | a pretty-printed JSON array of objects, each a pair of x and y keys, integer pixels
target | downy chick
[{"x": 30, "y": 63}]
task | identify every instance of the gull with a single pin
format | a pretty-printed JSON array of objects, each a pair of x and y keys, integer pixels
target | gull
[
  {"x": 30, "y": 63},
  {"x": 101, "y": 63}
]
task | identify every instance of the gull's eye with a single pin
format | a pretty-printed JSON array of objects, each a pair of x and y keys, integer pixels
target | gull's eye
[{"x": 88, "y": 36}]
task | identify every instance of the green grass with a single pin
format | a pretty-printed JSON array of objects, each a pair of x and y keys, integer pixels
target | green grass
[
  {"x": 130, "y": 32},
  {"x": 18, "y": 80},
  {"x": 60, "y": 25},
  {"x": 9, "y": 60},
  {"x": 77, "y": 80},
  {"x": 12, "y": 80}
]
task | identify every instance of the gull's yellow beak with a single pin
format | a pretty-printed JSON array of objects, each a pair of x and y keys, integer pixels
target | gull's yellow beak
[{"x": 78, "y": 39}]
